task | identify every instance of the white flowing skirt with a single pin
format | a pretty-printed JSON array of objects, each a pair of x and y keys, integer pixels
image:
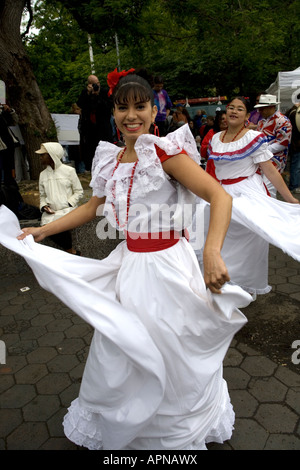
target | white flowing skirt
[
  {"x": 257, "y": 220},
  {"x": 153, "y": 377}
]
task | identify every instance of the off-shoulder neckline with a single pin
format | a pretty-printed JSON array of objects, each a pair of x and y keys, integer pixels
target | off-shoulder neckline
[{"x": 250, "y": 132}]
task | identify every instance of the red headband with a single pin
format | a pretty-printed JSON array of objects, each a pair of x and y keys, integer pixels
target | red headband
[{"x": 114, "y": 77}]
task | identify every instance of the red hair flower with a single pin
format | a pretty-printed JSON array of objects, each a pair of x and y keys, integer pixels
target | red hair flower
[{"x": 114, "y": 77}]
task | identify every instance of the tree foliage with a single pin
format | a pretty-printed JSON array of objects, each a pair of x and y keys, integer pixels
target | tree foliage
[
  {"x": 243, "y": 44},
  {"x": 216, "y": 47},
  {"x": 59, "y": 56},
  {"x": 23, "y": 93}
]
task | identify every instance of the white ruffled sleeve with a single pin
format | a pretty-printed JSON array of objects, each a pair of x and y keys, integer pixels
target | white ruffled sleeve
[
  {"x": 262, "y": 152},
  {"x": 173, "y": 143},
  {"x": 103, "y": 165}
]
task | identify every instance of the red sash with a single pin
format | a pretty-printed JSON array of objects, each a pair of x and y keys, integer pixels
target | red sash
[
  {"x": 234, "y": 180},
  {"x": 149, "y": 242},
  {"x": 241, "y": 178}
]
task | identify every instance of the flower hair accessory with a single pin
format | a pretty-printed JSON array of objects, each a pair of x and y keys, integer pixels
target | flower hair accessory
[{"x": 114, "y": 77}]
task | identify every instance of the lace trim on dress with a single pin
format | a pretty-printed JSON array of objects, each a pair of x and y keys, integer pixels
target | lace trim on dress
[
  {"x": 252, "y": 290},
  {"x": 82, "y": 428},
  {"x": 172, "y": 143},
  {"x": 102, "y": 166},
  {"x": 149, "y": 175}
]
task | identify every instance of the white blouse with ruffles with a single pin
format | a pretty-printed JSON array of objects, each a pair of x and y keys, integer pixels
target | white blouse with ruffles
[{"x": 157, "y": 203}]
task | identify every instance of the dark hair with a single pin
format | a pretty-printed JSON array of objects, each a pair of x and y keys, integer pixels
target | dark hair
[
  {"x": 158, "y": 79},
  {"x": 132, "y": 87},
  {"x": 244, "y": 100},
  {"x": 218, "y": 117}
]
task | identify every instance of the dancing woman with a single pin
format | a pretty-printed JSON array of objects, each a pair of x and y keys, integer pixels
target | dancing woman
[
  {"x": 240, "y": 158},
  {"x": 153, "y": 377}
]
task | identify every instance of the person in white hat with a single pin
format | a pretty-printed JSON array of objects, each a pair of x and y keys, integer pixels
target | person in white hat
[
  {"x": 60, "y": 191},
  {"x": 266, "y": 101},
  {"x": 278, "y": 130}
]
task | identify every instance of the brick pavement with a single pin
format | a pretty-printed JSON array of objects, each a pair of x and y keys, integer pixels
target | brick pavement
[{"x": 47, "y": 345}]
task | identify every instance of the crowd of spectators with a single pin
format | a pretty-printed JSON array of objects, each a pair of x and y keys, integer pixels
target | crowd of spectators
[{"x": 96, "y": 123}]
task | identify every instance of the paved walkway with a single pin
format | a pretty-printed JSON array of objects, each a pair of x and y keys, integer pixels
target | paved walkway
[{"x": 47, "y": 345}]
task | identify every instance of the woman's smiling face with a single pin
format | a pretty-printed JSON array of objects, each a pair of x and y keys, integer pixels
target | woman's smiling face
[
  {"x": 134, "y": 118},
  {"x": 236, "y": 112}
]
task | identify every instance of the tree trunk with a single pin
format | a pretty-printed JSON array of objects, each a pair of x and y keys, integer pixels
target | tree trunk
[{"x": 23, "y": 93}]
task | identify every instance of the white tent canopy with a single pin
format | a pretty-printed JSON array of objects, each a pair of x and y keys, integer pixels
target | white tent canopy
[{"x": 285, "y": 86}]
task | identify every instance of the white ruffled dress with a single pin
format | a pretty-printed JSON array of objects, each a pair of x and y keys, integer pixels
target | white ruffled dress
[
  {"x": 257, "y": 219},
  {"x": 153, "y": 377}
]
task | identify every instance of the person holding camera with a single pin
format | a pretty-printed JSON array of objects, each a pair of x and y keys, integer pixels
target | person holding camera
[{"x": 94, "y": 123}]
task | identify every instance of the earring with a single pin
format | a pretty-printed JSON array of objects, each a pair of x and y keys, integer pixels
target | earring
[{"x": 155, "y": 130}]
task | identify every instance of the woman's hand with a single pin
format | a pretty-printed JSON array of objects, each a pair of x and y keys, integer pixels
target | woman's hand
[
  {"x": 73, "y": 219},
  {"x": 36, "y": 232},
  {"x": 48, "y": 210},
  {"x": 294, "y": 200},
  {"x": 215, "y": 272}
]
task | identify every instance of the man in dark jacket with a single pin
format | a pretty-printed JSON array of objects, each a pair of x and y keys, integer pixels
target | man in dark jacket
[{"x": 95, "y": 119}]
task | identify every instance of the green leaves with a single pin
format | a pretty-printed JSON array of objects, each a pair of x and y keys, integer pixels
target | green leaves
[{"x": 225, "y": 46}]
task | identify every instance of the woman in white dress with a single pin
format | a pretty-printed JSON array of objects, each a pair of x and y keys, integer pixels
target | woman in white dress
[
  {"x": 153, "y": 377},
  {"x": 240, "y": 157}
]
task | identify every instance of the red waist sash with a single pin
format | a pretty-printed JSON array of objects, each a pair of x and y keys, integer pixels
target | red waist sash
[
  {"x": 234, "y": 180},
  {"x": 237, "y": 180},
  {"x": 241, "y": 178},
  {"x": 149, "y": 242}
]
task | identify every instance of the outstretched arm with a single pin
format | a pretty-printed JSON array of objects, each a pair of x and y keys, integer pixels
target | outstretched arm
[
  {"x": 77, "y": 217},
  {"x": 276, "y": 179},
  {"x": 193, "y": 177}
]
